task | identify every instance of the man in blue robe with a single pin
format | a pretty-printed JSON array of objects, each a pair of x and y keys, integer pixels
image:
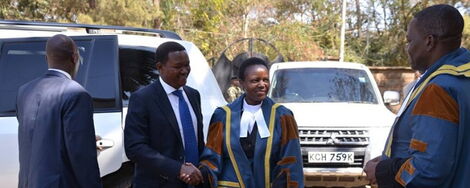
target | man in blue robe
[{"x": 429, "y": 144}]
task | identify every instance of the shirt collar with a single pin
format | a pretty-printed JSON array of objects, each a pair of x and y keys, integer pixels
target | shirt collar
[
  {"x": 168, "y": 89},
  {"x": 251, "y": 108},
  {"x": 61, "y": 71}
]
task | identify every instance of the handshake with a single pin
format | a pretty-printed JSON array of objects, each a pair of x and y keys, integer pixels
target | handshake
[{"x": 190, "y": 174}]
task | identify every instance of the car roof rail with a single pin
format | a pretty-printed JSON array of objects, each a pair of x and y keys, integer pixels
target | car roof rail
[{"x": 90, "y": 28}]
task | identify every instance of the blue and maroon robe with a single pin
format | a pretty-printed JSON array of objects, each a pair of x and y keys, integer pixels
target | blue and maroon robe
[{"x": 276, "y": 160}]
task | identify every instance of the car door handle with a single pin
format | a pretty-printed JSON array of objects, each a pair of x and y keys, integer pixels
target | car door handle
[{"x": 104, "y": 144}]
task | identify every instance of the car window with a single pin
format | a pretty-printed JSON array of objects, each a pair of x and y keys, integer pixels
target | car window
[
  {"x": 137, "y": 65},
  {"x": 24, "y": 60},
  {"x": 19, "y": 63},
  {"x": 322, "y": 85},
  {"x": 99, "y": 72}
]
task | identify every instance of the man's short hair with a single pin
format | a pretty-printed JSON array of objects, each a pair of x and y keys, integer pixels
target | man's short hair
[
  {"x": 443, "y": 21},
  {"x": 250, "y": 62},
  {"x": 161, "y": 54}
]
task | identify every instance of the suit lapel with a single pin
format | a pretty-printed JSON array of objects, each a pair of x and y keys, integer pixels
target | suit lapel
[{"x": 164, "y": 103}]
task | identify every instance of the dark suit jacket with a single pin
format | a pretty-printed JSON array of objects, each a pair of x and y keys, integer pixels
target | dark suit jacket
[
  {"x": 56, "y": 136},
  {"x": 152, "y": 138}
]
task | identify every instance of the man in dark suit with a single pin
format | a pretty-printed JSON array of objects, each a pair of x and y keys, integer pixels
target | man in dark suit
[
  {"x": 163, "y": 133},
  {"x": 56, "y": 135}
]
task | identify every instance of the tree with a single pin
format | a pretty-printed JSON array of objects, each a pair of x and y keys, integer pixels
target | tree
[
  {"x": 466, "y": 32},
  {"x": 42, "y": 10},
  {"x": 302, "y": 30},
  {"x": 135, "y": 13}
]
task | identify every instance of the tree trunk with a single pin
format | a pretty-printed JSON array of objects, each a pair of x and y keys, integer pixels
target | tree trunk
[
  {"x": 92, "y": 4},
  {"x": 359, "y": 19}
]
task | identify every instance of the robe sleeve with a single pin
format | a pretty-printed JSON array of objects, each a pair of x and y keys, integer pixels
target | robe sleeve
[
  {"x": 289, "y": 168},
  {"x": 386, "y": 170},
  {"x": 433, "y": 144},
  {"x": 211, "y": 158}
]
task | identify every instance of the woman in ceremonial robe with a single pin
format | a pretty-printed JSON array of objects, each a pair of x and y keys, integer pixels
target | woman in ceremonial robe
[{"x": 252, "y": 142}]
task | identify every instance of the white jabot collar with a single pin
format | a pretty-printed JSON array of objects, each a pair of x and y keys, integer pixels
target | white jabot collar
[
  {"x": 250, "y": 115},
  {"x": 61, "y": 71}
]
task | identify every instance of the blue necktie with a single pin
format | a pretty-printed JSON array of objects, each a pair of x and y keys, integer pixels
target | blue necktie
[{"x": 190, "y": 143}]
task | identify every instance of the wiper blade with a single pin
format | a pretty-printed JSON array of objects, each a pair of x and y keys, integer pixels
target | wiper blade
[{"x": 356, "y": 102}]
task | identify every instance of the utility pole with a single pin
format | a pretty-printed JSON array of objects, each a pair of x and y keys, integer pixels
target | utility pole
[
  {"x": 343, "y": 28},
  {"x": 369, "y": 10}
]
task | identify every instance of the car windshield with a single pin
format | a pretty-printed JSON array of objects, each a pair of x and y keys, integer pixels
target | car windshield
[{"x": 318, "y": 85}]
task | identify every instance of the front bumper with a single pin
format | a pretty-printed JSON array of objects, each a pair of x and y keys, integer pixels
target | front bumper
[{"x": 340, "y": 177}]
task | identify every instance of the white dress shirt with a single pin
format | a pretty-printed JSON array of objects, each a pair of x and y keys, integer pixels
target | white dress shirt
[
  {"x": 175, "y": 105},
  {"x": 61, "y": 71}
]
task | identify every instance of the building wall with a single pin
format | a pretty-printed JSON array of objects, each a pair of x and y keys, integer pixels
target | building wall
[{"x": 393, "y": 79}]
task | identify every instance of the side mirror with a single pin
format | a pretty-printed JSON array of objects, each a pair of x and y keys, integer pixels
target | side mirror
[{"x": 391, "y": 98}]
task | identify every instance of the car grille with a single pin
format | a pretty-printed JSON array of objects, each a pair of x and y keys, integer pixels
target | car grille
[{"x": 332, "y": 137}]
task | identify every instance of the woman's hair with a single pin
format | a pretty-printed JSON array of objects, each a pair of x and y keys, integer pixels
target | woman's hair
[{"x": 248, "y": 63}]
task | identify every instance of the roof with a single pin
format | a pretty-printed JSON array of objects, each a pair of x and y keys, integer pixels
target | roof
[
  {"x": 319, "y": 64},
  {"x": 91, "y": 29}
]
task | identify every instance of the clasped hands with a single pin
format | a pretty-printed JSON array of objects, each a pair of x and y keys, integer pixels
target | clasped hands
[
  {"x": 190, "y": 174},
  {"x": 369, "y": 169}
]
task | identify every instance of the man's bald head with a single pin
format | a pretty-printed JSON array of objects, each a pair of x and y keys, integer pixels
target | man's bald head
[
  {"x": 443, "y": 22},
  {"x": 60, "y": 48},
  {"x": 61, "y": 53}
]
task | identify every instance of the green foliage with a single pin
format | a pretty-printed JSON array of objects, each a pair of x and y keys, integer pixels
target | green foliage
[
  {"x": 135, "y": 13},
  {"x": 7, "y": 10},
  {"x": 42, "y": 10},
  {"x": 466, "y": 32},
  {"x": 302, "y": 30}
]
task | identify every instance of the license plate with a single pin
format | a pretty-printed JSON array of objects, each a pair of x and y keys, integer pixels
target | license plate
[{"x": 330, "y": 157}]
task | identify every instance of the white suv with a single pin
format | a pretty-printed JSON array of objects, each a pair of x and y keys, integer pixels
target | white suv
[
  {"x": 116, "y": 62},
  {"x": 341, "y": 117}
]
